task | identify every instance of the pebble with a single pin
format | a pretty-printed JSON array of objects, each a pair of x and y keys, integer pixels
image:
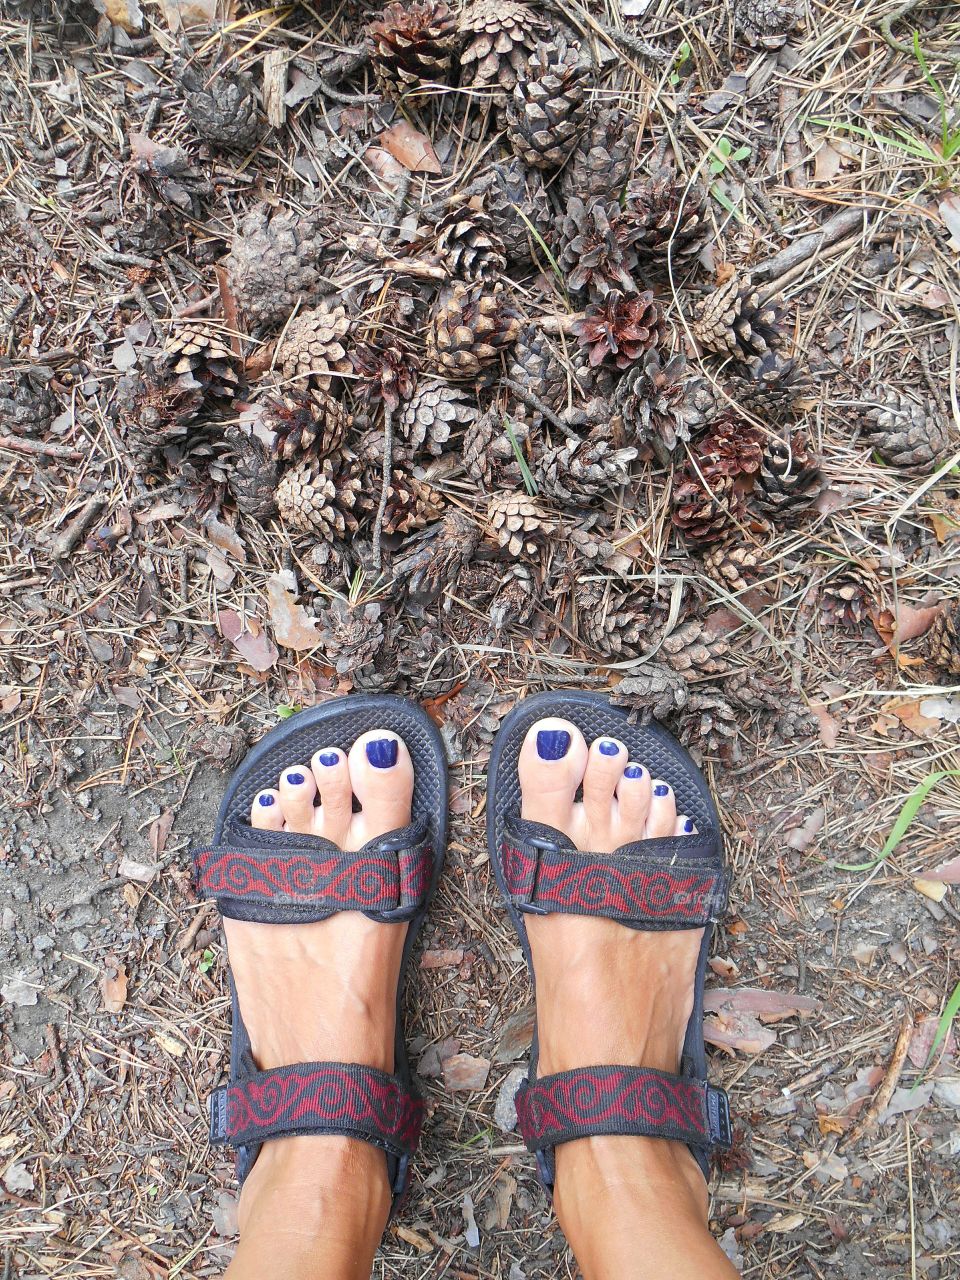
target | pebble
[
  {"x": 463, "y": 1073},
  {"x": 505, "y": 1111}
]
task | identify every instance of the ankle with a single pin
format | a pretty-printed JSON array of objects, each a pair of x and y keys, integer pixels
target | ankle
[{"x": 643, "y": 1171}]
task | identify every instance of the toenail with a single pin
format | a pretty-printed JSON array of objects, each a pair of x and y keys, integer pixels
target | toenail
[
  {"x": 328, "y": 758},
  {"x": 552, "y": 744},
  {"x": 688, "y": 826},
  {"x": 295, "y": 779},
  {"x": 633, "y": 771},
  {"x": 608, "y": 748},
  {"x": 382, "y": 752},
  {"x": 661, "y": 789},
  {"x": 266, "y": 801}
]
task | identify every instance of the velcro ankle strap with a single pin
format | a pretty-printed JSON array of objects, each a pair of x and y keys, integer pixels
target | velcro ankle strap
[
  {"x": 637, "y": 1101},
  {"x": 317, "y": 1098}
]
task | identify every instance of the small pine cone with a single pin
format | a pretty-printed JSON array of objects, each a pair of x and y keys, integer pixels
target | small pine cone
[
  {"x": 658, "y": 406},
  {"x": 26, "y": 406},
  {"x": 412, "y": 44},
  {"x": 312, "y": 352},
  {"x": 275, "y": 262},
  {"x": 432, "y": 664},
  {"x": 303, "y": 422},
  {"x": 942, "y": 641},
  {"x": 534, "y": 363},
  {"x": 733, "y": 320},
  {"x": 412, "y": 503},
  {"x": 196, "y": 349},
  {"x": 488, "y": 455},
  {"x": 709, "y": 723},
  {"x": 549, "y": 109},
  {"x": 222, "y": 107},
  {"x": 330, "y": 563},
  {"x": 694, "y": 652},
  {"x": 771, "y": 386},
  {"x": 765, "y": 24},
  {"x": 351, "y": 634},
  {"x": 469, "y": 246},
  {"x": 759, "y": 693},
  {"x": 789, "y": 479},
  {"x": 471, "y": 325},
  {"x": 499, "y": 37},
  {"x": 906, "y": 432},
  {"x": 603, "y": 159},
  {"x": 157, "y": 409},
  {"x": 471, "y": 719},
  {"x": 735, "y": 564},
  {"x": 597, "y": 253},
  {"x": 654, "y": 691},
  {"x": 439, "y": 556},
  {"x": 518, "y": 523},
  {"x": 619, "y": 330},
  {"x": 847, "y": 599},
  {"x": 384, "y": 373},
  {"x": 318, "y": 496},
  {"x": 578, "y": 470},
  {"x": 706, "y": 506},
  {"x": 608, "y": 621},
  {"x": 732, "y": 446},
  {"x": 516, "y": 200},
  {"x": 669, "y": 216},
  {"x": 591, "y": 548},
  {"x": 515, "y": 598},
  {"x": 252, "y": 474},
  {"x": 433, "y": 413},
  {"x": 369, "y": 448}
]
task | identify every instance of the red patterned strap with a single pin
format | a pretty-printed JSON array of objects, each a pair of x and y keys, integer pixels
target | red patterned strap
[
  {"x": 678, "y": 882},
  {"x": 636, "y": 1101},
  {"x": 317, "y": 1098}
]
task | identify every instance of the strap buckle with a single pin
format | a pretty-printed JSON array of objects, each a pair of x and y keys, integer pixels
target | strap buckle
[{"x": 718, "y": 1118}]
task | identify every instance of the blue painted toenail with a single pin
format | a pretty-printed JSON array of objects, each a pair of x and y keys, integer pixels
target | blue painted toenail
[
  {"x": 688, "y": 826},
  {"x": 382, "y": 752},
  {"x": 267, "y": 801},
  {"x": 608, "y": 748},
  {"x": 328, "y": 758},
  {"x": 633, "y": 771},
  {"x": 552, "y": 744},
  {"x": 661, "y": 789},
  {"x": 295, "y": 779}
]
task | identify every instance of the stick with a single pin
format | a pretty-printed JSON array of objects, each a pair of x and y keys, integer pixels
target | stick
[
  {"x": 869, "y": 1119},
  {"x": 534, "y": 402},
  {"x": 387, "y": 474},
  {"x": 16, "y": 445},
  {"x": 840, "y": 225},
  {"x": 70, "y": 536}
]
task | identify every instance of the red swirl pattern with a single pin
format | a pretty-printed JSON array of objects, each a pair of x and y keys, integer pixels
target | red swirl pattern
[
  {"x": 611, "y": 1100},
  {"x": 324, "y": 1096}
]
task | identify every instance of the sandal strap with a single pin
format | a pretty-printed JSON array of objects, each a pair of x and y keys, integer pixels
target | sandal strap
[
  {"x": 676, "y": 882},
  {"x": 317, "y": 1098},
  {"x": 637, "y": 1101}
]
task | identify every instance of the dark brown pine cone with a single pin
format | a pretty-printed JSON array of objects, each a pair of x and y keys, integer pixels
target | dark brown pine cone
[
  {"x": 736, "y": 564},
  {"x": 313, "y": 352},
  {"x": 789, "y": 479},
  {"x": 603, "y": 160},
  {"x": 518, "y": 523},
  {"x": 302, "y": 422},
  {"x": 438, "y": 556},
  {"x": 471, "y": 325},
  {"x": 942, "y": 641},
  {"x": 252, "y": 474},
  {"x": 27, "y": 407},
  {"x": 765, "y": 24},
  {"x": 434, "y": 412},
  {"x": 499, "y": 36},
  {"x": 412, "y": 503},
  {"x": 770, "y": 386},
  {"x": 222, "y": 107},
  {"x": 734, "y": 321},
  {"x": 620, "y": 329},
  {"x": 706, "y": 505},
  {"x": 352, "y": 634},
  {"x": 906, "y": 432},
  {"x": 469, "y": 246},
  {"x": 708, "y": 723},
  {"x": 157, "y": 409},
  {"x": 653, "y": 691},
  {"x": 658, "y": 406},
  {"x": 276, "y": 262},
  {"x": 412, "y": 44},
  {"x": 471, "y": 719},
  {"x": 548, "y": 109},
  {"x": 517, "y": 204},
  {"x": 579, "y": 470},
  {"x": 768, "y": 694},
  {"x": 432, "y": 664},
  {"x": 596, "y": 248},
  {"x": 488, "y": 455},
  {"x": 318, "y": 496},
  {"x": 669, "y": 215},
  {"x": 731, "y": 446},
  {"x": 197, "y": 349},
  {"x": 847, "y": 598},
  {"x": 611, "y": 623},
  {"x": 384, "y": 373},
  {"x": 535, "y": 362}
]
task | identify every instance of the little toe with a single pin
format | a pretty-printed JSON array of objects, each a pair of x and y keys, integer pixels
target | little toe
[
  {"x": 332, "y": 776},
  {"x": 297, "y": 790},
  {"x": 606, "y": 761},
  {"x": 265, "y": 812},
  {"x": 662, "y": 818},
  {"x": 381, "y": 776},
  {"x": 633, "y": 802},
  {"x": 685, "y": 826},
  {"x": 552, "y": 763}
]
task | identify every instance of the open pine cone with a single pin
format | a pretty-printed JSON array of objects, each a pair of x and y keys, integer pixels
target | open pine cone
[
  {"x": 610, "y": 622},
  {"x": 669, "y": 216},
  {"x": 942, "y": 641},
  {"x": 847, "y": 598},
  {"x": 788, "y": 480},
  {"x": 578, "y": 470},
  {"x": 597, "y": 252},
  {"x": 733, "y": 320},
  {"x": 302, "y": 422},
  {"x": 603, "y": 159},
  {"x": 318, "y": 496},
  {"x": 412, "y": 44},
  {"x": 312, "y": 352},
  {"x": 26, "y": 406},
  {"x": 518, "y": 522},
  {"x": 439, "y": 555},
  {"x": 156, "y": 410},
  {"x": 197, "y": 349},
  {"x": 385, "y": 373},
  {"x": 706, "y": 503},
  {"x": 659, "y": 406},
  {"x": 499, "y": 36},
  {"x": 906, "y": 432},
  {"x": 352, "y": 634},
  {"x": 620, "y": 330},
  {"x": 548, "y": 110},
  {"x": 252, "y": 474},
  {"x": 771, "y": 386},
  {"x": 275, "y": 262},
  {"x": 433, "y": 413},
  {"x": 516, "y": 201},
  {"x": 471, "y": 325},
  {"x": 765, "y": 24},
  {"x": 469, "y": 246}
]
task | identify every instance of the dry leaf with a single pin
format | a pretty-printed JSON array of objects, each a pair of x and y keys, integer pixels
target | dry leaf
[
  {"x": 829, "y": 727},
  {"x": 949, "y": 210},
  {"x": 770, "y": 1005},
  {"x": 935, "y": 890},
  {"x": 10, "y": 699},
  {"x": 409, "y": 147},
  {"x": 827, "y": 163},
  {"x": 248, "y": 638},
  {"x": 292, "y": 625},
  {"x": 227, "y": 539},
  {"x": 125, "y": 14},
  {"x": 948, "y": 872},
  {"x": 159, "y": 830},
  {"x": 907, "y": 711},
  {"x": 922, "y": 1038},
  {"x": 206, "y": 13},
  {"x": 738, "y": 1032},
  {"x": 113, "y": 990},
  {"x": 801, "y": 838}
]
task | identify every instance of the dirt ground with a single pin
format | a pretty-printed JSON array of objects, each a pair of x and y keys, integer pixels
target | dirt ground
[{"x": 123, "y": 703}]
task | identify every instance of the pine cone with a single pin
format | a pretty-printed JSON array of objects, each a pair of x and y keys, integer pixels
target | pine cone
[
  {"x": 737, "y": 565},
  {"x": 693, "y": 652},
  {"x": 156, "y": 410},
  {"x": 609, "y": 622},
  {"x": 514, "y": 600},
  {"x": 276, "y": 262},
  {"x": 548, "y": 110},
  {"x": 412, "y": 503},
  {"x": 603, "y": 159},
  {"x": 27, "y": 408},
  {"x": 733, "y": 320},
  {"x": 222, "y": 107},
  {"x": 654, "y": 691},
  {"x": 515, "y": 201},
  {"x": 412, "y": 44},
  {"x": 534, "y": 363},
  {"x": 706, "y": 505},
  {"x": 499, "y": 37},
  {"x": 905, "y": 432},
  {"x": 470, "y": 722},
  {"x": 487, "y": 452},
  {"x": 709, "y": 724},
  {"x": 385, "y": 373},
  {"x": 469, "y": 246},
  {"x": 196, "y": 349},
  {"x": 439, "y": 556},
  {"x": 597, "y": 252},
  {"x": 732, "y": 446},
  {"x": 433, "y": 413},
  {"x": 471, "y": 325},
  {"x": 318, "y": 496},
  {"x": 846, "y": 600},
  {"x": 351, "y": 634},
  {"x": 619, "y": 329},
  {"x": 252, "y": 474},
  {"x": 658, "y": 406},
  {"x": 518, "y": 522},
  {"x": 757, "y": 692},
  {"x": 669, "y": 216},
  {"x": 765, "y": 24},
  {"x": 303, "y": 422},
  {"x": 432, "y": 664},
  {"x": 771, "y": 386},
  {"x": 578, "y": 470},
  {"x": 789, "y": 478},
  {"x": 312, "y": 352},
  {"x": 942, "y": 641}
]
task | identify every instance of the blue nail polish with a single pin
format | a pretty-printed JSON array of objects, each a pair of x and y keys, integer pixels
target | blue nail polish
[
  {"x": 661, "y": 789},
  {"x": 688, "y": 826},
  {"x": 552, "y": 744},
  {"x": 328, "y": 758},
  {"x": 296, "y": 779},
  {"x": 266, "y": 801},
  {"x": 608, "y": 748},
  {"x": 633, "y": 771},
  {"x": 382, "y": 752}
]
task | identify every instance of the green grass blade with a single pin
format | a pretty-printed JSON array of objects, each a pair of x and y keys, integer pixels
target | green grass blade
[
  {"x": 549, "y": 256},
  {"x": 943, "y": 1026},
  {"x": 907, "y": 814},
  {"x": 528, "y": 481}
]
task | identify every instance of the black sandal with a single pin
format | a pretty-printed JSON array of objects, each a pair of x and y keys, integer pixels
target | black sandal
[
  {"x": 677, "y": 882},
  {"x": 281, "y": 877}
]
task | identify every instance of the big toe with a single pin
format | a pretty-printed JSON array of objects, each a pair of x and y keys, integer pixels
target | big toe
[
  {"x": 552, "y": 762},
  {"x": 381, "y": 773}
]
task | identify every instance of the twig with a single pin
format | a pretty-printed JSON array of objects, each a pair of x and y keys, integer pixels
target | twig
[
  {"x": 385, "y": 486},
  {"x": 16, "y": 445},
  {"x": 792, "y": 152},
  {"x": 887, "y": 22},
  {"x": 841, "y": 224},
  {"x": 870, "y": 1117},
  {"x": 534, "y": 402},
  {"x": 68, "y": 539}
]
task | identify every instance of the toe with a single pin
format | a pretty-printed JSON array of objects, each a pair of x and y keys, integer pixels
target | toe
[
  {"x": 662, "y": 818},
  {"x": 297, "y": 789},
  {"x": 336, "y": 794},
  {"x": 606, "y": 761},
  {"x": 685, "y": 826},
  {"x": 265, "y": 813},
  {"x": 633, "y": 802},
  {"x": 381, "y": 775},
  {"x": 552, "y": 763}
]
